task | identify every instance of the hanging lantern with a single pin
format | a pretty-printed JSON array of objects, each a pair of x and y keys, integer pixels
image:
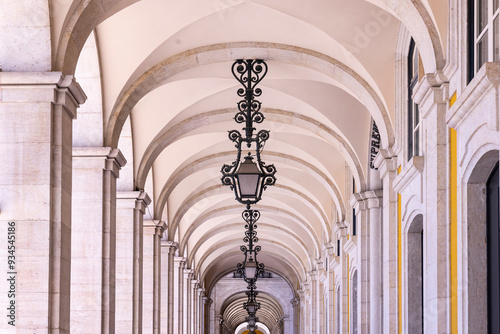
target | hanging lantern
[{"x": 249, "y": 178}]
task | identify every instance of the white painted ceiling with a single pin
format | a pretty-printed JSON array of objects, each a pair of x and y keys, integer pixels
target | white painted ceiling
[{"x": 168, "y": 100}]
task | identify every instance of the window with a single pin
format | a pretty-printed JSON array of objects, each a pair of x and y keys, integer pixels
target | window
[
  {"x": 353, "y": 222},
  {"x": 413, "y": 113},
  {"x": 483, "y": 34}
]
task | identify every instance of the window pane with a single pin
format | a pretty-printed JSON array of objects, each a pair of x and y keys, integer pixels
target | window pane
[
  {"x": 495, "y": 40},
  {"x": 495, "y": 6},
  {"x": 482, "y": 51},
  {"x": 415, "y": 62},
  {"x": 482, "y": 16},
  {"x": 416, "y": 115},
  {"x": 416, "y": 143}
]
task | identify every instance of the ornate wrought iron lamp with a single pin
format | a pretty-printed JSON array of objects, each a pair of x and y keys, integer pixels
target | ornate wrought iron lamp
[
  {"x": 252, "y": 323},
  {"x": 251, "y": 305},
  {"x": 249, "y": 178},
  {"x": 250, "y": 269}
]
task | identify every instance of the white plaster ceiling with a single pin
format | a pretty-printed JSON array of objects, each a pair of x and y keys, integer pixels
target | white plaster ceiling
[{"x": 166, "y": 67}]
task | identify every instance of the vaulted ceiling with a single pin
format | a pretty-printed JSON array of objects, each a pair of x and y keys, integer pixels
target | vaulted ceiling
[{"x": 158, "y": 77}]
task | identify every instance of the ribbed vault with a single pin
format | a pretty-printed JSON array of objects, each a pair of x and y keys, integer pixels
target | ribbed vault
[
  {"x": 233, "y": 313},
  {"x": 166, "y": 98}
]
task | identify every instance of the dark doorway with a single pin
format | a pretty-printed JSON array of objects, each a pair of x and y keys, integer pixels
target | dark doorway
[{"x": 493, "y": 230}]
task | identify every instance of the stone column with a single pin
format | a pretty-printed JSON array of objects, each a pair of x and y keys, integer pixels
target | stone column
[
  {"x": 36, "y": 116},
  {"x": 288, "y": 324},
  {"x": 140, "y": 207},
  {"x": 194, "y": 306},
  {"x": 322, "y": 309},
  {"x": 386, "y": 162},
  {"x": 373, "y": 205},
  {"x": 130, "y": 211},
  {"x": 207, "y": 302},
  {"x": 201, "y": 311},
  {"x": 432, "y": 97},
  {"x": 168, "y": 249},
  {"x": 188, "y": 276},
  {"x": 179, "y": 264},
  {"x": 95, "y": 170},
  {"x": 314, "y": 302},
  {"x": 302, "y": 306},
  {"x": 307, "y": 307},
  {"x": 367, "y": 206},
  {"x": 344, "y": 282},
  {"x": 217, "y": 324},
  {"x": 331, "y": 291},
  {"x": 296, "y": 313},
  {"x": 152, "y": 234}
]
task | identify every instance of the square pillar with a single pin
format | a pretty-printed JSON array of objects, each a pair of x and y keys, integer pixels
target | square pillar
[
  {"x": 194, "y": 306},
  {"x": 432, "y": 98},
  {"x": 36, "y": 116},
  {"x": 93, "y": 253},
  {"x": 151, "y": 307},
  {"x": 188, "y": 276},
  {"x": 373, "y": 205},
  {"x": 315, "y": 312},
  {"x": 130, "y": 210},
  {"x": 207, "y": 303},
  {"x": 179, "y": 265},
  {"x": 302, "y": 306},
  {"x": 386, "y": 162},
  {"x": 168, "y": 249}
]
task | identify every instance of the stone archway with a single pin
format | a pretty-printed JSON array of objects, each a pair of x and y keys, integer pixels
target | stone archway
[{"x": 477, "y": 242}]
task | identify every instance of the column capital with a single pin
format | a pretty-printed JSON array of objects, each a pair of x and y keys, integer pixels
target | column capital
[
  {"x": 188, "y": 272},
  {"x": 207, "y": 301},
  {"x": 42, "y": 86},
  {"x": 180, "y": 262},
  {"x": 156, "y": 226},
  {"x": 313, "y": 274},
  {"x": 171, "y": 245},
  {"x": 295, "y": 301},
  {"x": 432, "y": 89},
  {"x": 367, "y": 200},
  {"x": 330, "y": 249},
  {"x": 161, "y": 227},
  {"x": 340, "y": 226},
  {"x": 115, "y": 161},
  {"x": 386, "y": 162},
  {"x": 142, "y": 201},
  {"x": 319, "y": 264},
  {"x": 356, "y": 201}
]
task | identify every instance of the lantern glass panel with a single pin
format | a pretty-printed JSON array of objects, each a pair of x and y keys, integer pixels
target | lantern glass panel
[
  {"x": 248, "y": 184},
  {"x": 251, "y": 308},
  {"x": 250, "y": 269},
  {"x": 248, "y": 177}
]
